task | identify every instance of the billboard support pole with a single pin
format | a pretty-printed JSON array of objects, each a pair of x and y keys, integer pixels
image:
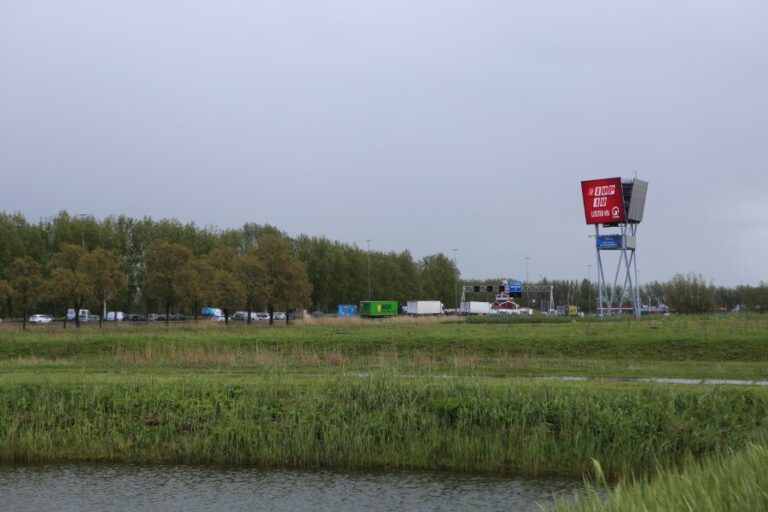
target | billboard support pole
[{"x": 616, "y": 203}]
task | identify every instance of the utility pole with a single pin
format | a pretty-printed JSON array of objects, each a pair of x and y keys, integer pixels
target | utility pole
[{"x": 369, "y": 267}]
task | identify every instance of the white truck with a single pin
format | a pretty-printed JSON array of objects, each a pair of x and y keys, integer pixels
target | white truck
[
  {"x": 424, "y": 307},
  {"x": 475, "y": 308}
]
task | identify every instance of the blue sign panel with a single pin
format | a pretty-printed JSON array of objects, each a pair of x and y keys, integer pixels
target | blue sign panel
[
  {"x": 514, "y": 287},
  {"x": 608, "y": 242},
  {"x": 347, "y": 309}
]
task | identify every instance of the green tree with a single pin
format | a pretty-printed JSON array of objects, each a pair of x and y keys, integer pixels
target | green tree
[
  {"x": 196, "y": 284},
  {"x": 28, "y": 285},
  {"x": 228, "y": 292},
  {"x": 6, "y": 292},
  {"x": 252, "y": 274},
  {"x": 69, "y": 280},
  {"x": 286, "y": 285},
  {"x": 438, "y": 278},
  {"x": 690, "y": 294},
  {"x": 164, "y": 280},
  {"x": 104, "y": 277}
]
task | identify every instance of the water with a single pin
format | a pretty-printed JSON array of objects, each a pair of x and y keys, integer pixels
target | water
[{"x": 107, "y": 488}]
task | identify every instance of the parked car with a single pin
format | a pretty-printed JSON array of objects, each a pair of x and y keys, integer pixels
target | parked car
[
  {"x": 135, "y": 318},
  {"x": 239, "y": 316},
  {"x": 278, "y": 315},
  {"x": 178, "y": 318},
  {"x": 263, "y": 317},
  {"x": 111, "y": 316},
  {"x": 217, "y": 318},
  {"x": 152, "y": 317},
  {"x": 40, "y": 319}
]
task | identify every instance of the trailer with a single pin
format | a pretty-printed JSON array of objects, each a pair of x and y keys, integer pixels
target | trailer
[
  {"x": 425, "y": 307},
  {"x": 378, "y": 308},
  {"x": 474, "y": 307}
]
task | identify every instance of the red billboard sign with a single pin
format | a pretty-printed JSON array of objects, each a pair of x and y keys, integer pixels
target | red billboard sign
[{"x": 603, "y": 201}]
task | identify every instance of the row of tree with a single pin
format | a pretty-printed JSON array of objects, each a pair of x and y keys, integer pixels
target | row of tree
[
  {"x": 337, "y": 273},
  {"x": 682, "y": 294},
  {"x": 267, "y": 276},
  {"x": 332, "y": 272}
]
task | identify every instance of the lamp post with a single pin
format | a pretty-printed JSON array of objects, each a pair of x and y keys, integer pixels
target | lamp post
[
  {"x": 368, "y": 241},
  {"x": 456, "y": 287},
  {"x": 82, "y": 216},
  {"x": 527, "y": 283}
]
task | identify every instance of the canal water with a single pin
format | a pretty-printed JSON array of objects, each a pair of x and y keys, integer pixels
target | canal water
[{"x": 136, "y": 488}]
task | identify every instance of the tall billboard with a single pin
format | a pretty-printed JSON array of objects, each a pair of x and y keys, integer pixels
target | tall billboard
[{"x": 603, "y": 201}]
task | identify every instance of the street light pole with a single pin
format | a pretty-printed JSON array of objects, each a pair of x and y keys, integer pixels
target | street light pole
[
  {"x": 589, "y": 278},
  {"x": 369, "y": 267},
  {"x": 82, "y": 228},
  {"x": 456, "y": 288},
  {"x": 527, "y": 283}
]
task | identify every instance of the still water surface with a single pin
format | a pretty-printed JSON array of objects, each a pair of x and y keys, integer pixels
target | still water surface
[{"x": 103, "y": 488}]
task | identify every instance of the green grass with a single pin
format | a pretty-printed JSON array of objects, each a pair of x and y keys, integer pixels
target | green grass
[
  {"x": 382, "y": 421},
  {"x": 704, "y": 347},
  {"x": 286, "y": 396},
  {"x": 724, "y": 483}
]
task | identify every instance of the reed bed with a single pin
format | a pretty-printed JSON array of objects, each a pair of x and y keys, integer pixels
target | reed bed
[
  {"x": 381, "y": 421},
  {"x": 723, "y": 483}
]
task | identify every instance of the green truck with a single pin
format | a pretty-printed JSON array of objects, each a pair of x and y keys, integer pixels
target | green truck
[{"x": 378, "y": 308}]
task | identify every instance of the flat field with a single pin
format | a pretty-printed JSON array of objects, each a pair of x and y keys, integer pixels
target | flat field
[
  {"x": 427, "y": 394},
  {"x": 734, "y": 347}
]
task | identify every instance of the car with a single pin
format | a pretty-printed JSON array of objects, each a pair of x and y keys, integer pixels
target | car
[
  {"x": 239, "y": 316},
  {"x": 262, "y": 317},
  {"x": 152, "y": 317},
  {"x": 40, "y": 319},
  {"x": 217, "y": 318},
  {"x": 135, "y": 318},
  {"x": 178, "y": 318},
  {"x": 111, "y": 316},
  {"x": 278, "y": 315}
]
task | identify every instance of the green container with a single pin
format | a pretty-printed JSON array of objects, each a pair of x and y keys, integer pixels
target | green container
[{"x": 378, "y": 308}]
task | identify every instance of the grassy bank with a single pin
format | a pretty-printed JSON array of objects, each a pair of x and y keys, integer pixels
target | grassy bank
[
  {"x": 721, "y": 483},
  {"x": 534, "y": 428},
  {"x": 704, "y": 347}
]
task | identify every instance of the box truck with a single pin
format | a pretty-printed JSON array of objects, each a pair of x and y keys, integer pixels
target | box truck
[
  {"x": 475, "y": 308},
  {"x": 425, "y": 307},
  {"x": 378, "y": 308}
]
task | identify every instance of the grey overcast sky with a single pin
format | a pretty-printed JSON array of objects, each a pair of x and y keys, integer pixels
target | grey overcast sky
[{"x": 427, "y": 125}]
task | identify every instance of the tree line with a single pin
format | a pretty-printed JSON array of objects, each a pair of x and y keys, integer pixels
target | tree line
[
  {"x": 164, "y": 265},
  {"x": 222, "y": 268},
  {"x": 684, "y": 293}
]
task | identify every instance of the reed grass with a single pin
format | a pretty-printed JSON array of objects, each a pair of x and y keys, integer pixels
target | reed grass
[
  {"x": 722, "y": 483},
  {"x": 381, "y": 421}
]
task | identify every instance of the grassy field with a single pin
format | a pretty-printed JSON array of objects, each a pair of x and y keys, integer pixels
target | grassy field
[
  {"x": 701, "y": 347},
  {"x": 401, "y": 394}
]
